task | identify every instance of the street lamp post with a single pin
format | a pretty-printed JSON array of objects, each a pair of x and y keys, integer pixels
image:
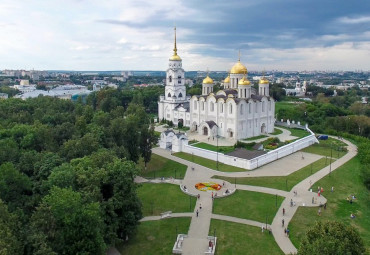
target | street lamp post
[
  {"x": 331, "y": 155},
  {"x": 276, "y": 200},
  {"x": 217, "y": 150}
]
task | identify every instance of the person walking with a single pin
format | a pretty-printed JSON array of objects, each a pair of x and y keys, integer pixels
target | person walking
[
  {"x": 285, "y": 231},
  {"x": 283, "y": 211},
  {"x": 282, "y": 222},
  {"x": 197, "y": 212}
]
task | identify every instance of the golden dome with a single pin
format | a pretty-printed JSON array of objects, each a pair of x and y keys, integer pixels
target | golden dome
[
  {"x": 239, "y": 68},
  {"x": 175, "y": 57},
  {"x": 244, "y": 82},
  {"x": 227, "y": 79},
  {"x": 263, "y": 80},
  {"x": 208, "y": 80}
]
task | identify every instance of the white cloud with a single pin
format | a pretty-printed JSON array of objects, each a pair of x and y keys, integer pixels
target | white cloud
[{"x": 357, "y": 20}]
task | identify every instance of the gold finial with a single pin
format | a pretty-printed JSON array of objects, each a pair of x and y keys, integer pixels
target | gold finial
[{"x": 175, "y": 49}]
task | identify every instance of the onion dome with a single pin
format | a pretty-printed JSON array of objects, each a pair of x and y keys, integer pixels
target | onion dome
[
  {"x": 208, "y": 80},
  {"x": 244, "y": 82},
  {"x": 263, "y": 80},
  {"x": 238, "y": 68},
  {"x": 227, "y": 79}
]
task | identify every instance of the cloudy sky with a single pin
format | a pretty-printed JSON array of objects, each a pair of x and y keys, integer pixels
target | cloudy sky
[{"x": 138, "y": 34}]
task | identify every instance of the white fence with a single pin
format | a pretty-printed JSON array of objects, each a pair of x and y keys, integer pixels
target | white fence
[{"x": 255, "y": 162}]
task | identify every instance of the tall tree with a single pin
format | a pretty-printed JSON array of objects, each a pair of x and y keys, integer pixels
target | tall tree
[
  {"x": 64, "y": 224},
  {"x": 331, "y": 237}
]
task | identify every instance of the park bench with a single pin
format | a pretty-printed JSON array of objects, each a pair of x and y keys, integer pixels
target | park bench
[{"x": 166, "y": 214}]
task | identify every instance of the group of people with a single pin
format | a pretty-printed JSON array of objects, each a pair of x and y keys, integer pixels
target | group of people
[{"x": 351, "y": 198}]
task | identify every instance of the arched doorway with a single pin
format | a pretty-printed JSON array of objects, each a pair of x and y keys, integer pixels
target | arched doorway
[
  {"x": 205, "y": 130},
  {"x": 263, "y": 128}
]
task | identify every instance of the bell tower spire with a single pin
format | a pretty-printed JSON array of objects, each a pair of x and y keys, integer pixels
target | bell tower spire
[{"x": 175, "y": 48}]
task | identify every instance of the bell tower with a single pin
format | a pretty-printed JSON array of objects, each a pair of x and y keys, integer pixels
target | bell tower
[{"x": 175, "y": 90}]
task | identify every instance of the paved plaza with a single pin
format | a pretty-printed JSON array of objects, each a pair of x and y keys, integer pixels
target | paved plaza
[{"x": 197, "y": 242}]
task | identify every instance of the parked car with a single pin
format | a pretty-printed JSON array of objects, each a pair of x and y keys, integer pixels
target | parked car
[{"x": 322, "y": 137}]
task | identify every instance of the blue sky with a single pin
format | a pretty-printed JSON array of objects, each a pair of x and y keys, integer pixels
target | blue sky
[{"x": 138, "y": 35}]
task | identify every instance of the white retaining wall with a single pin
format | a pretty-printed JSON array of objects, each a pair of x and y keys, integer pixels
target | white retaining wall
[{"x": 255, "y": 162}]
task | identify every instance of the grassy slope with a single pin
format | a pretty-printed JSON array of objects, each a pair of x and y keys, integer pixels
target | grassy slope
[
  {"x": 234, "y": 239},
  {"x": 210, "y": 147},
  {"x": 346, "y": 180},
  {"x": 280, "y": 182},
  {"x": 155, "y": 237},
  {"x": 248, "y": 205},
  {"x": 164, "y": 197},
  {"x": 208, "y": 163},
  {"x": 162, "y": 167}
]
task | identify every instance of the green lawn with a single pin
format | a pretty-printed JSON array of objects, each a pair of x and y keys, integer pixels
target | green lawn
[
  {"x": 331, "y": 147},
  {"x": 237, "y": 239},
  {"x": 280, "y": 182},
  {"x": 162, "y": 167},
  {"x": 255, "y": 138},
  {"x": 158, "y": 198},
  {"x": 210, "y": 147},
  {"x": 248, "y": 205},
  {"x": 277, "y": 131},
  {"x": 208, "y": 163},
  {"x": 297, "y": 132},
  {"x": 346, "y": 180},
  {"x": 155, "y": 237},
  {"x": 284, "y": 105}
]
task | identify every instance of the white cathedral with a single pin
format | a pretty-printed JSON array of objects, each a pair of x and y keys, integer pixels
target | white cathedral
[{"x": 237, "y": 111}]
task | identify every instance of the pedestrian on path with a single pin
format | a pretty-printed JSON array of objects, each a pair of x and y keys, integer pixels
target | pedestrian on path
[
  {"x": 291, "y": 202},
  {"x": 200, "y": 206},
  {"x": 283, "y": 211},
  {"x": 197, "y": 212},
  {"x": 282, "y": 222},
  {"x": 285, "y": 231}
]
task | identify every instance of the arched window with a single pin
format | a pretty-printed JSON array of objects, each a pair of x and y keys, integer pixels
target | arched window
[
  {"x": 195, "y": 105},
  {"x": 179, "y": 77},
  {"x": 169, "y": 95},
  {"x": 170, "y": 78},
  {"x": 255, "y": 105},
  {"x": 263, "y": 106},
  {"x": 250, "y": 108},
  {"x": 202, "y": 106},
  {"x": 212, "y": 107},
  {"x": 241, "y": 108},
  {"x": 221, "y": 108},
  {"x": 269, "y": 105},
  {"x": 180, "y": 95},
  {"x": 230, "y": 108}
]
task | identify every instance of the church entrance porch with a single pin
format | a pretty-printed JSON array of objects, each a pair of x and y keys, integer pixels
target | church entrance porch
[
  {"x": 263, "y": 129},
  {"x": 194, "y": 127},
  {"x": 205, "y": 131}
]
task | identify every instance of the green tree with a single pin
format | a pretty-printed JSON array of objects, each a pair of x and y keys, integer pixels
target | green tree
[
  {"x": 331, "y": 237},
  {"x": 64, "y": 224},
  {"x": 9, "y": 225},
  {"x": 147, "y": 140},
  {"x": 15, "y": 187}
]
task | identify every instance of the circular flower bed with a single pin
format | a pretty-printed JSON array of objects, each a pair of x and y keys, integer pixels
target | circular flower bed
[{"x": 204, "y": 186}]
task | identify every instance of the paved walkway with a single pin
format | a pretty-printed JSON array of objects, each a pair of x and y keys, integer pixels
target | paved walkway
[
  {"x": 197, "y": 243},
  {"x": 304, "y": 198}
]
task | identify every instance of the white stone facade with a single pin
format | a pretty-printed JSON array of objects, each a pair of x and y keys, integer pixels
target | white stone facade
[{"x": 237, "y": 112}]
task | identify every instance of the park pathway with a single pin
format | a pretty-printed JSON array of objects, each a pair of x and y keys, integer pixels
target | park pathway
[
  {"x": 197, "y": 242},
  {"x": 304, "y": 198}
]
